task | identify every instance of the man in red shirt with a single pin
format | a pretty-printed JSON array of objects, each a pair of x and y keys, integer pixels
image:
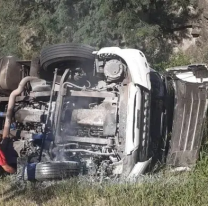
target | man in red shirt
[{"x": 3, "y": 161}]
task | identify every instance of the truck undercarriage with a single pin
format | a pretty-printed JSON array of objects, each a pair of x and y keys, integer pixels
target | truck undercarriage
[{"x": 75, "y": 111}]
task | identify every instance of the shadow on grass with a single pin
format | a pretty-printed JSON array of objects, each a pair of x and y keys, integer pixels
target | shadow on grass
[{"x": 36, "y": 192}]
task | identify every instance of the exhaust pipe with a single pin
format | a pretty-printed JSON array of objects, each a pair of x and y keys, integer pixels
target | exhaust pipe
[{"x": 11, "y": 103}]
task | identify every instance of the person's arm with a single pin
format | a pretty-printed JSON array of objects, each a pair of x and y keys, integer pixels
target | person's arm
[
  {"x": 8, "y": 169},
  {"x": 4, "y": 165}
]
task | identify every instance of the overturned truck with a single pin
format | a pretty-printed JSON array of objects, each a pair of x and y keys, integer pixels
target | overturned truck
[{"x": 73, "y": 110}]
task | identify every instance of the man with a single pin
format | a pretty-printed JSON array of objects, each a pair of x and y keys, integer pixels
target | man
[{"x": 4, "y": 148}]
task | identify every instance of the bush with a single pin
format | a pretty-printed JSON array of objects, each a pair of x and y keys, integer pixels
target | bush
[{"x": 175, "y": 60}]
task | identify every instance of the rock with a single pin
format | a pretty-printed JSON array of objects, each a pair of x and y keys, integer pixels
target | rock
[
  {"x": 205, "y": 14},
  {"x": 196, "y": 32}
]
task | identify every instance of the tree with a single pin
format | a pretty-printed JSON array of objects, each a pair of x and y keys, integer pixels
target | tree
[{"x": 148, "y": 25}]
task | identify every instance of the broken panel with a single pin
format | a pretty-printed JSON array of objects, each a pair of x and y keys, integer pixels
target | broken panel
[{"x": 189, "y": 115}]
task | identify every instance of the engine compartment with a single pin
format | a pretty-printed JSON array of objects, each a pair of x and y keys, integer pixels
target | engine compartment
[
  {"x": 78, "y": 121},
  {"x": 87, "y": 126}
]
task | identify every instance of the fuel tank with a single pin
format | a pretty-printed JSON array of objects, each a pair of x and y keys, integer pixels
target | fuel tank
[{"x": 10, "y": 74}]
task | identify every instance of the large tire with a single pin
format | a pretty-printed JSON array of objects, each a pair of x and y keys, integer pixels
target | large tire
[
  {"x": 53, "y": 55},
  {"x": 52, "y": 170}
]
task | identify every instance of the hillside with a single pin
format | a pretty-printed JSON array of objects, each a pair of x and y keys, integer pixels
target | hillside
[{"x": 157, "y": 27}]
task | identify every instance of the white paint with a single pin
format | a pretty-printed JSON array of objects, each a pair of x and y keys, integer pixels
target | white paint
[
  {"x": 189, "y": 77},
  {"x": 129, "y": 147},
  {"x": 137, "y": 107},
  {"x": 136, "y": 62},
  {"x": 139, "y": 168},
  {"x": 183, "y": 73}
]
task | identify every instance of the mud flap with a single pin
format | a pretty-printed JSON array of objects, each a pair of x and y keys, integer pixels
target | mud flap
[{"x": 187, "y": 131}]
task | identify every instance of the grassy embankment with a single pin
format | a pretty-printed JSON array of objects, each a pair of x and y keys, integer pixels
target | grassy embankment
[{"x": 190, "y": 188}]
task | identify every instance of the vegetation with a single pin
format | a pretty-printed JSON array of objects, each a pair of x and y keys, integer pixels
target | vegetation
[
  {"x": 167, "y": 189},
  {"x": 174, "y": 60},
  {"x": 28, "y": 25}
]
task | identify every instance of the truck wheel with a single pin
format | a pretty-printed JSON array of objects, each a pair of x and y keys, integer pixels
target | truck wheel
[
  {"x": 55, "y": 55},
  {"x": 51, "y": 170}
]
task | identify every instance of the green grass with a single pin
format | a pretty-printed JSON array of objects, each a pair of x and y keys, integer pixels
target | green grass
[
  {"x": 188, "y": 188},
  {"x": 164, "y": 188}
]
